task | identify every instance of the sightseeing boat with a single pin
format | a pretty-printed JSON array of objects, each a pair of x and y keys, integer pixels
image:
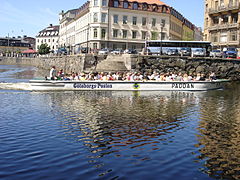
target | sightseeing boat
[{"x": 51, "y": 85}]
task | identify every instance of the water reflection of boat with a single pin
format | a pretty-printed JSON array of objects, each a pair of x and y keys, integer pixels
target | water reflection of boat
[{"x": 41, "y": 85}]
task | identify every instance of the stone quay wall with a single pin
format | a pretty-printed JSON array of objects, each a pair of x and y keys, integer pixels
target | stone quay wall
[
  {"x": 68, "y": 63},
  {"x": 223, "y": 68}
]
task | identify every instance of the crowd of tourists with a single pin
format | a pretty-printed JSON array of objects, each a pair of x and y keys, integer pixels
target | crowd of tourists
[{"x": 129, "y": 76}]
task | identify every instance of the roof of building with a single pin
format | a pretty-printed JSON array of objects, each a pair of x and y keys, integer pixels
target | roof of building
[
  {"x": 149, "y": 1},
  {"x": 49, "y": 31}
]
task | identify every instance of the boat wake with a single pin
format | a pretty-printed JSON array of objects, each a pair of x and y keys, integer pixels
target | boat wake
[{"x": 15, "y": 86}]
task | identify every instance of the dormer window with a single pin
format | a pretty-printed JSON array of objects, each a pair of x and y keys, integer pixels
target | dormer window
[
  {"x": 125, "y": 4},
  {"x": 135, "y": 6},
  {"x": 155, "y": 8},
  {"x": 115, "y": 3},
  {"x": 145, "y": 7}
]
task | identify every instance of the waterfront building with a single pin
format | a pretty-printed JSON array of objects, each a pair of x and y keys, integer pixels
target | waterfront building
[
  {"x": 49, "y": 36},
  {"x": 13, "y": 45},
  {"x": 222, "y": 20},
  {"x": 121, "y": 24}
]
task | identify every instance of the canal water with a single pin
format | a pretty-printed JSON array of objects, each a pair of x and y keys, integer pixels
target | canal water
[{"x": 117, "y": 135}]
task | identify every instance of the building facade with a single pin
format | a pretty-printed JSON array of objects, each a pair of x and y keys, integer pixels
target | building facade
[
  {"x": 13, "y": 45},
  {"x": 49, "y": 36},
  {"x": 222, "y": 23},
  {"x": 121, "y": 24}
]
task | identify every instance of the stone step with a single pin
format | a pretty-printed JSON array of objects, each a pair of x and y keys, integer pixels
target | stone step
[{"x": 111, "y": 66}]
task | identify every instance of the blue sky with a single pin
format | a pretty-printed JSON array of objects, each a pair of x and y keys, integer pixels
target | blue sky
[{"x": 28, "y": 17}]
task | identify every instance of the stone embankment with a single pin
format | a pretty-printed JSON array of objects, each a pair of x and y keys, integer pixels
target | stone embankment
[{"x": 224, "y": 68}]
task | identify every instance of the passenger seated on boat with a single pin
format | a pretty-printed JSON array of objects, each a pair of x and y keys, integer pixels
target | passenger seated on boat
[
  {"x": 53, "y": 73},
  {"x": 179, "y": 77},
  {"x": 198, "y": 77},
  {"x": 60, "y": 74},
  {"x": 202, "y": 78},
  {"x": 212, "y": 76}
]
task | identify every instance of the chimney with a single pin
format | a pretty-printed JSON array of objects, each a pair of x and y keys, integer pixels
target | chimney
[{"x": 50, "y": 25}]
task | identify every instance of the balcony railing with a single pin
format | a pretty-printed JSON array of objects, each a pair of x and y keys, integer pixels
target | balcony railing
[
  {"x": 229, "y": 7},
  {"x": 223, "y": 26}
]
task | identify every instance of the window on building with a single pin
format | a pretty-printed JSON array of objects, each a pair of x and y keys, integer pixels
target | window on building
[
  {"x": 222, "y": 3},
  {"x": 103, "y": 33},
  {"x": 125, "y": 4},
  {"x": 135, "y": 6},
  {"x": 104, "y": 16},
  {"x": 115, "y": 3},
  {"x": 215, "y": 20},
  {"x": 223, "y": 37},
  {"x": 155, "y": 8},
  {"x": 53, "y": 40},
  {"x": 38, "y": 40},
  {"x": 95, "y": 33},
  {"x": 233, "y": 35},
  {"x": 115, "y": 33},
  {"x": 53, "y": 47},
  {"x": 124, "y": 19},
  {"x": 134, "y": 20},
  {"x": 163, "y": 22},
  {"x": 214, "y": 37},
  {"x": 153, "y": 22},
  {"x": 144, "y": 21},
  {"x": 95, "y": 2},
  {"x": 145, "y": 7},
  {"x": 95, "y": 17},
  {"x": 235, "y": 18},
  {"x": 124, "y": 34},
  {"x": 154, "y": 35},
  {"x": 104, "y": 3},
  {"x": 144, "y": 35},
  {"x": 115, "y": 19},
  {"x": 225, "y": 18},
  {"x": 95, "y": 46},
  {"x": 134, "y": 34}
]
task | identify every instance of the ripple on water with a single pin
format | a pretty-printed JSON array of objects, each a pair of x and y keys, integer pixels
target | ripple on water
[{"x": 107, "y": 135}]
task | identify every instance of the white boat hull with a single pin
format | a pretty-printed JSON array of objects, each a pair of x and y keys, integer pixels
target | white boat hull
[{"x": 46, "y": 85}]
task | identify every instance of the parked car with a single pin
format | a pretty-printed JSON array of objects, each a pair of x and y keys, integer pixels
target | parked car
[
  {"x": 198, "y": 53},
  {"x": 216, "y": 53},
  {"x": 230, "y": 52},
  {"x": 104, "y": 51},
  {"x": 172, "y": 52},
  {"x": 185, "y": 51},
  {"x": 62, "y": 51},
  {"x": 130, "y": 51},
  {"x": 117, "y": 51}
]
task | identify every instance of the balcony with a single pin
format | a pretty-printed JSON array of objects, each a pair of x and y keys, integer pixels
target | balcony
[
  {"x": 219, "y": 9},
  {"x": 223, "y": 26}
]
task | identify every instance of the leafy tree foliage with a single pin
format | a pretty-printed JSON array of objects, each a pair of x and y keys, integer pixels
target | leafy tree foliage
[{"x": 44, "y": 49}]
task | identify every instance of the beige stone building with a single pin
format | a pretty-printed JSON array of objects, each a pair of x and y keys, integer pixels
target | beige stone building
[
  {"x": 222, "y": 23},
  {"x": 121, "y": 24}
]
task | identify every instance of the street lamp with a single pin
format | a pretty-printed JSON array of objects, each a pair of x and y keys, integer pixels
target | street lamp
[{"x": 161, "y": 26}]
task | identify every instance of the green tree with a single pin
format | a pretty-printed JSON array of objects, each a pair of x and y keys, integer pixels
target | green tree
[{"x": 44, "y": 49}]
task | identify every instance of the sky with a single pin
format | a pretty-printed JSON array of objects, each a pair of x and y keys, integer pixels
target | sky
[{"x": 28, "y": 17}]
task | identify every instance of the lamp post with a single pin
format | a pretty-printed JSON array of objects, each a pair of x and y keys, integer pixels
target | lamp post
[{"x": 161, "y": 26}]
